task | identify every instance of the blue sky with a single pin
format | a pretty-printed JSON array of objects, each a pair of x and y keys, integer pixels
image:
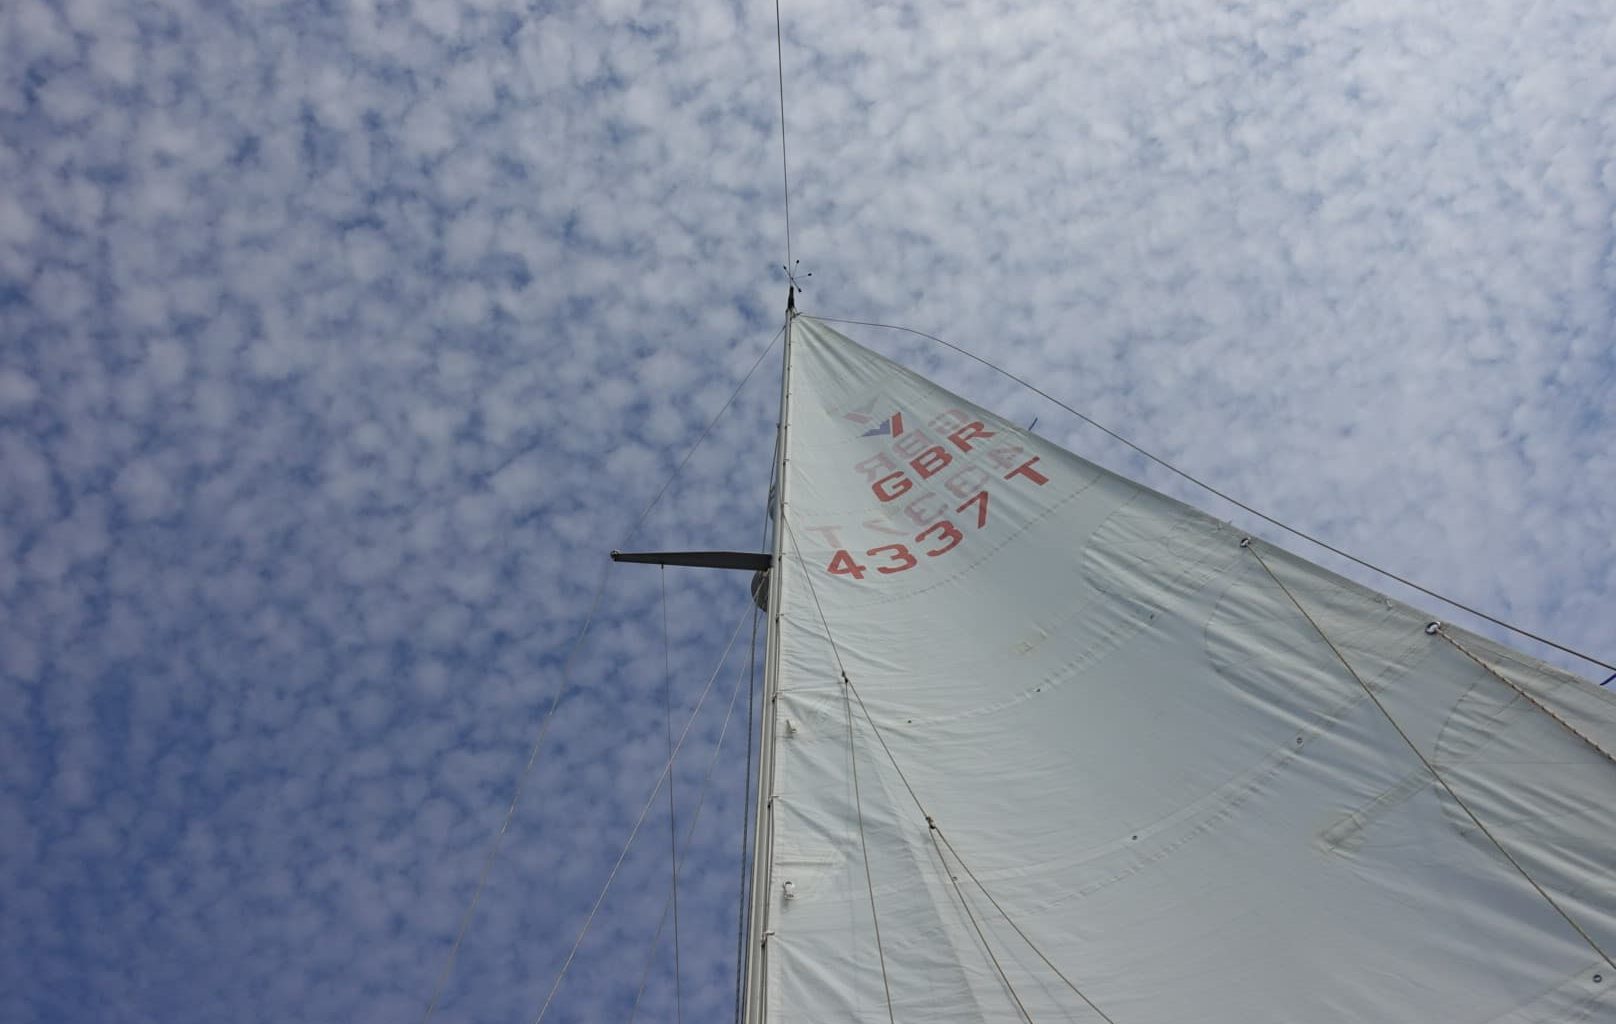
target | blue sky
[{"x": 339, "y": 343}]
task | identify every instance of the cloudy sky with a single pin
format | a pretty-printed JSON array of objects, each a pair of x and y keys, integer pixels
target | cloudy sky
[{"x": 339, "y": 342}]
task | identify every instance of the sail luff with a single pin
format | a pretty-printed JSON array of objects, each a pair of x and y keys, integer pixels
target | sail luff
[{"x": 756, "y": 943}]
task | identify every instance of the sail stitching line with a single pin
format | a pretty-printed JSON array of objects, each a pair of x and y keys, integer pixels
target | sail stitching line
[
  {"x": 690, "y": 828},
  {"x": 561, "y": 688},
  {"x": 797, "y": 550},
  {"x": 852, "y": 757},
  {"x": 1464, "y": 806},
  {"x": 1304, "y": 535},
  {"x": 1443, "y": 633},
  {"x": 966, "y": 904},
  {"x": 673, "y": 821},
  {"x": 644, "y": 811}
]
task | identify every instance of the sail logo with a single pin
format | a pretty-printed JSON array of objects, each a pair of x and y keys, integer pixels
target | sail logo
[{"x": 892, "y": 426}]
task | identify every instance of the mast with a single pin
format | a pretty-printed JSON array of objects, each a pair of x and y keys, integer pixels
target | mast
[{"x": 757, "y": 930}]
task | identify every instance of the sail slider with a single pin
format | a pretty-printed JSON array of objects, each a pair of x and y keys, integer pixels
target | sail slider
[{"x": 748, "y": 561}]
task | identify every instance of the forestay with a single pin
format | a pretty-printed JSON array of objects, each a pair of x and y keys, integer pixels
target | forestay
[{"x": 1208, "y": 780}]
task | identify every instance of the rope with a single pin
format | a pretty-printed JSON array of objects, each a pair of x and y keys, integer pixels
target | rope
[
  {"x": 690, "y": 828},
  {"x": 645, "y": 810},
  {"x": 673, "y": 827},
  {"x": 966, "y": 904},
  {"x": 1457, "y": 799},
  {"x": 1529, "y": 698},
  {"x": 549, "y": 712},
  {"x": 1265, "y": 517}
]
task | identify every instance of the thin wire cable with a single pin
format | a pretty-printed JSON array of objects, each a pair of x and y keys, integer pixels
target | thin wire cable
[
  {"x": 704, "y": 432},
  {"x": 864, "y": 849},
  {"x": 1567, "y": 726},
  {"x": 1457, "y": 799},
  {"x": 695, "y": 817},
  {"x": 673, "y": 826},
  {"x": 785, "y": 177},
  {"x": 516, "y": 798},
  {"x": 966, "y": 905},
  {"x": 561, "y": 688},
  {"x": 645, "y": 810},
  {"x": 1265, "y": 517}
]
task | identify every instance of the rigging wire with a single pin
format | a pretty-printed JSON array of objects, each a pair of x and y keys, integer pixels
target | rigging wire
[
  {"x": 1265, "y": 517},
  {"x": 498, "y": 840},
  {"x": 635, "y": 831},
  {"x": 673, "y": 826},
  {"x": 695, "y": 817},
  {"x": 1429, "y": 767},
  {"x": 864, "y": 847},
  {"x": 785, "y": 176},
  {"x": 510, "y": 812}
]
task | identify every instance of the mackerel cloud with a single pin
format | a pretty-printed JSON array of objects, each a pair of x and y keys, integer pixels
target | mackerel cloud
[{"x": 338, "y": 344}]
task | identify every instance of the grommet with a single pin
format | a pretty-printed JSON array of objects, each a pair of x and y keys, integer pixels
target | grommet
[
  {"x": 1598, "y": 978},
  {"x": 1298, "y": 741},
  {"x": 1431, "y": 628}
]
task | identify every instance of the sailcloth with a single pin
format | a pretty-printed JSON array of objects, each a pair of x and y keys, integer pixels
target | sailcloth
[{"x": 1175, "y": 775}]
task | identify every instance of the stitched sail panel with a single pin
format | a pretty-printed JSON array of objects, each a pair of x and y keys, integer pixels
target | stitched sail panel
[{"x": 1196, "y": 776}]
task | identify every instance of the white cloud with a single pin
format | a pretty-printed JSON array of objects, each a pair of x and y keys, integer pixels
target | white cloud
[{"x": 341, "y": 346}]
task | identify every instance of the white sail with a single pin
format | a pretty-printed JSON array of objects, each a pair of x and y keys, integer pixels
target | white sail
[{"x": 1202, "y": 780}]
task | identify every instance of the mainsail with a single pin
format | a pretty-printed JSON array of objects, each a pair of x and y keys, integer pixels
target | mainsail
[{"x": 1048, "y": 745}]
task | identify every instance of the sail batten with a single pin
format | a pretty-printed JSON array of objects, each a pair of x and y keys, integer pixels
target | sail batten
[{"x": 1200, "y": 778}]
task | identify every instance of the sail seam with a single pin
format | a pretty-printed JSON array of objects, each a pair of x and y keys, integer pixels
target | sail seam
[
  {"x": 1529, "y": 698},
  {"x": 1011, "y": 922},
  {"x": 1459, "y": 800},
  {"x": 1294, "y": 531},
  {"x": 852, "y": 754},
  {"x": 931, "y": 823},
  {"x": 966, "y": 905}
]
